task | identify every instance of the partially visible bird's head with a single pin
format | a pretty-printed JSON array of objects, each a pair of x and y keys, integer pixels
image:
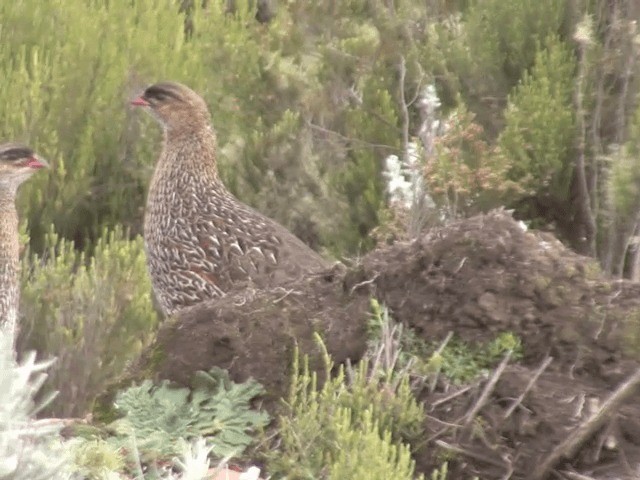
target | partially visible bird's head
[
  {"x": 17, "y": 163},
  {"x": 175, "y": 106}
]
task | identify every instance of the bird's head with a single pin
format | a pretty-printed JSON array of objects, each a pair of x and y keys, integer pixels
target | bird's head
[
  {"x": 17, "y": 163},
  {"x": 175, "y": 106}
]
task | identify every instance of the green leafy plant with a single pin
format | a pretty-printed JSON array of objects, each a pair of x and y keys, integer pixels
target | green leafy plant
[{"x": 161, "y": 417}]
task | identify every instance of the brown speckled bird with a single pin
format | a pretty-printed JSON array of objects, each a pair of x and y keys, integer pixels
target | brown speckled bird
[
  {"x": 200, "y": 239},
  {"x": 17, "y": 163}
]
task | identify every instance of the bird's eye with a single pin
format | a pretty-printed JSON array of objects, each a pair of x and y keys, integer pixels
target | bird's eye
[
  {"x": 15, "y": 154},
  {"x": 160, "y": 93}
]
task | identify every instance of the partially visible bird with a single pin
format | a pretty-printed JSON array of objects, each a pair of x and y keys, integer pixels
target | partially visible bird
[
  {"x": 201, "y": 240},
  {"x": 17, "y": 164}
]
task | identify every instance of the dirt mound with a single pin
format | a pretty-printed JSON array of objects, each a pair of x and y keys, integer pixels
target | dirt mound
[
  {"x": 252, "y": 333},
  {"x": 475, "y": 278},
  {"x": 488, "y": 274}
]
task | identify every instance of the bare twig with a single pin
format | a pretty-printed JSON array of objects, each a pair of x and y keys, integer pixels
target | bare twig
[
  {"x": 57, "y": 422},
  {"x": 484, "y": 396},
  {"x": 509, "y": 473},
  {"x": 547, "y": 361},
  {"x": 434, "y": 379},
  {"x": 354, "y": 140},
  {"x": 576, "y": 476},
  {"x": 455, "y": 394},
  {"x": 287, "y": 292},
  {"x": 586, "y": 429},
  {"x": 363, "y": 283},
  {"x": 471, "y": 454}
]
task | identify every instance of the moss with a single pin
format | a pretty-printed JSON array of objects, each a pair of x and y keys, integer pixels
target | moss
[
  {"x": 155, "y": 357},
  {"x": 631, "y": 337},
  {"x": 541, "y": 283},
  {"x": 592, "y": 270}
]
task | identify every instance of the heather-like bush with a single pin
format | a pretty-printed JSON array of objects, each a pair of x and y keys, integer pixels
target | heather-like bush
[
  {"x": 93, "y": 313},
  {"x": 354, "y": 426}
]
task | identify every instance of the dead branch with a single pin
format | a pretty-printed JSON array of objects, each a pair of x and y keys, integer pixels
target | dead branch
[
  {"x": 576, "y": 476},
  {"x": 484, "y": 396},
  {"x": 363, "y": 283},
  {"x": 434, "y": 378},
  {"x": 534, "y": 379},
  {"x": 451, "y": 396},
  {"x": 471, "y": 454},
  {"x": 586, "y": 429}
]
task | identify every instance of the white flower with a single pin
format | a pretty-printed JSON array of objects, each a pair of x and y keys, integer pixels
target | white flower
[
  {"x": 584, "y": 31},
  {"x": 253, "y": 473}
]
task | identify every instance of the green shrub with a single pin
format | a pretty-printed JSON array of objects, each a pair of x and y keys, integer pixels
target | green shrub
[
  {"x": 94, "y": 314},
  {"x": 365, "y": 452},
  {"x": 357, "y": 419},
  {"x": 540, "y": 123}
]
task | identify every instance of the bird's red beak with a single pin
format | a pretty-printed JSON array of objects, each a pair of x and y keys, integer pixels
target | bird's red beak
[
  {"x": 37, "y": 162},
  {"x": 140, "y": 102}
]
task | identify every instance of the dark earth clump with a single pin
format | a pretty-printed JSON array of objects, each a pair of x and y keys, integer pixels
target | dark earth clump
[{"x": 476, "y": 278}]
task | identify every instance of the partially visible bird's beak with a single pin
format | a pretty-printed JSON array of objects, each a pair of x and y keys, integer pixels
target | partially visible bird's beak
[
  {"x": 37, "y": 162},
  {"x": 140, "y": 102}
]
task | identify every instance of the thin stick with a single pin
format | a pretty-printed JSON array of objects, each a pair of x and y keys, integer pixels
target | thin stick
[
  {"x": 365, "y": 282},
  {"x": 469, "y": 453},
  {"x": 534, "y": 379},
  {"x": 451, "y": 396},
  {"x": 576, "y": 476},
  {"x": 586, "y": 429},
  {"x": 484, "y": 396},
  {"x": 434, "y": 378}
]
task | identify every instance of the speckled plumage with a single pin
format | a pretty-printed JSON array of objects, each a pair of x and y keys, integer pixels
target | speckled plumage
[
  {"x": 17, "y": 163},
  {"x": 201, "y": 241}
]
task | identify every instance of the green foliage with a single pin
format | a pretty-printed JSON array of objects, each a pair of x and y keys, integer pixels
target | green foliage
[
  {"x": 457, "y": 360},
  {"x": 540, "y": 124},
  {"x": 27, "y": 451},
  {"x": 104, "y": 460},
  {"x": 161, "y": 417},
  {"x": 306, "y": 109},
  {"x": 94, "y": 314},
  {"x": 357, "y": 419},
  {"x": 509, "y": 31},
  {"x": 359, "y": 179},
  {"x": 366, "y": 453},
  {"x": 95, "y": 459},
  {"x": 67, "y": 81},
  {"x": 460, "y": 361},
  {"x": 624, "y": 179}
]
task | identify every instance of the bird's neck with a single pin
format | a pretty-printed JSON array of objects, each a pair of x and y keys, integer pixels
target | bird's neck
[
  {"x": 9, "y": 260},
  {"x": 190, "y": 152}
]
